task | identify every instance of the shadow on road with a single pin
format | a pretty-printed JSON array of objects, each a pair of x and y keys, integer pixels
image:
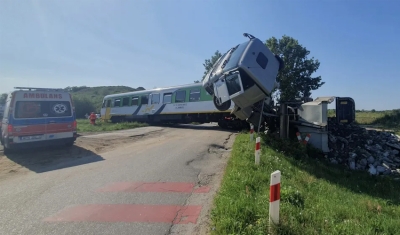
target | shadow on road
[
  {"x": 197, "y": 127},
  {"x": 52, "y": 158}
]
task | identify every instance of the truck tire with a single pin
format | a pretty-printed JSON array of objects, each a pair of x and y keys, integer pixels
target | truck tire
[
  {"x": 70, "y": 144},
  {"x": 224, "y": 106},
  {"x": 7, "y": 150}
]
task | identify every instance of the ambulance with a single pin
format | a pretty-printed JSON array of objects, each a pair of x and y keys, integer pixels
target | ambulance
[{"x": 38, "y": 117}]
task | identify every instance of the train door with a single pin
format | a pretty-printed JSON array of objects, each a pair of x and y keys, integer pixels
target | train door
[
  {"x": 108, "y": 110},
  {"x": 135, "y": 104},
  {"x": 154, "y": 103}
]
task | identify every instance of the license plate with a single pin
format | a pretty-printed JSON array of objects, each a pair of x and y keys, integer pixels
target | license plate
[{"x": 35, "y": 137}]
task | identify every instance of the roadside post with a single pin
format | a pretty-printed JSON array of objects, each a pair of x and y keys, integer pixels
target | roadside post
[
  {"x": 251, "y": 132},
  {"x": 258, "y": 150},
  {"x": 274, "y": 197}
]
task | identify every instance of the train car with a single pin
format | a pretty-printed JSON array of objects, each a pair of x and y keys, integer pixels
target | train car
[{"x": 179, "y": 104}]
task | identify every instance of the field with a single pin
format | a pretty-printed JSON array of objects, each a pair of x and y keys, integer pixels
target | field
[
  {"x": 388, "y": 120},
  {"x": 85, "y": 126},
  {"x": 316, "y": 198}
]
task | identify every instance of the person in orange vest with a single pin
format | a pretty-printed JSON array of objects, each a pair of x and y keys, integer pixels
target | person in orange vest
[{"x": 92, "y": 118}]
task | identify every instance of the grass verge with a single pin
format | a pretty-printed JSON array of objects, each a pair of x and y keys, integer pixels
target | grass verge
[
  {"x": 85, "y": 126},
  {"x": 316, "y": 198}
]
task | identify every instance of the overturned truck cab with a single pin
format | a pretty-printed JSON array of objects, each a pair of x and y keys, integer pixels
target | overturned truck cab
[{"x": 245, "y": 75}]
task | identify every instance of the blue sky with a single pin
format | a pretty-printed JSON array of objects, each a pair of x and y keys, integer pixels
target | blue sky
[{"x": 158, "y": 43}]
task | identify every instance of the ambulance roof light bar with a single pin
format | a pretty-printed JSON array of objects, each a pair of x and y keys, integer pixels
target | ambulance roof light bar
[{"x": 38, "y": 89}]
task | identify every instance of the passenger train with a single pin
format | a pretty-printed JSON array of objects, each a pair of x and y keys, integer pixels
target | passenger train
[{"x": 178, "y": 104}]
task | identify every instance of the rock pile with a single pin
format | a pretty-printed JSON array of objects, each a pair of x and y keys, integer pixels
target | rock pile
[{"x": 362, "y": 149}]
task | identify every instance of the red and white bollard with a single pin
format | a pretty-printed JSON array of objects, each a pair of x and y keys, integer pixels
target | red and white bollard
[
  {"x": 274, "y": 197},
  {"x": 251, "y": 132},
  {"x": 307, "y": 139},
  {"x": 258, "y": 150},
  {"x": 298, "y": 136}
]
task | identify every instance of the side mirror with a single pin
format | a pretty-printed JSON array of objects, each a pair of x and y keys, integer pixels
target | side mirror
[{"x": 281, "y": 63}]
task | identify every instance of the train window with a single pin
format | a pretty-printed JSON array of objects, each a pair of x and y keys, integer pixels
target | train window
[
  {"x": 125, "y": 101},
  {"x": 108, "y": 103},
  {"x": 262, "y": 60},
  {"x": 104, "y": 104},
  {"x": 144, "y": 99},
  {"x": 180, "y": 97},
  {"x": 155, "y": 98},
  {"x": 117, "y": 102},
  {"x": 194, "y": 95},
  {"x": 135, "y": 100},
  {"x": 167, "y": 98}
]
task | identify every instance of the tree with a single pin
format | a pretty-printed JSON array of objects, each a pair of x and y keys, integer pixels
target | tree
[
  {"x": 295, "y": 78},
  {"x": 3, "y": 98},
  {"x": 197, "y": 81},
  {"x": 209, "y": 63},
  {"x": 83, "y": 105}
]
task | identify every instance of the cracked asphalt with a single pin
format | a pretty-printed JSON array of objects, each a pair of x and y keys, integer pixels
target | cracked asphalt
[{"x": 188, "y": 154}]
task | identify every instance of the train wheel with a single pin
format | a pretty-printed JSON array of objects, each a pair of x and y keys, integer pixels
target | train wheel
[{"x": 222, "y": 107}]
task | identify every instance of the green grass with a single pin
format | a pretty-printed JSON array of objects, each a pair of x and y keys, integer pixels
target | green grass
[
  {"x": 366, "y": 118},
  {"x": 85, "y": 126},
  {"x": 389, "y": 120},
  {"x": 316, "y": 198}
]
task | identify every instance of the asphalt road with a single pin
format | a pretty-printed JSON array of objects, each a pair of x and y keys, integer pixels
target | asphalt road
[{"x": 161, "y": 183}]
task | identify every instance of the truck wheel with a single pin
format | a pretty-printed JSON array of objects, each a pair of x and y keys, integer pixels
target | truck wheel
[
  {"x": 224, "y": 106},
  {"x": 69, "y": 143},
  {"x": 7, "y": 150}
]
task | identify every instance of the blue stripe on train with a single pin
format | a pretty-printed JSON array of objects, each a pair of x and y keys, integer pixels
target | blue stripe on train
[{"x": 38, "y": 121}]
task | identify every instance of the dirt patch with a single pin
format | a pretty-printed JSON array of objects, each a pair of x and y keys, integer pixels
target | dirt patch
[{"x": 85, "y": 150}]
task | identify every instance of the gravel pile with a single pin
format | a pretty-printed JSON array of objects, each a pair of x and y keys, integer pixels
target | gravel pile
[{"x": 360, "y": 149}]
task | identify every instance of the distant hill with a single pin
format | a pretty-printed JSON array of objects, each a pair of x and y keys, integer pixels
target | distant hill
[{"x": 88, "y": 99}]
